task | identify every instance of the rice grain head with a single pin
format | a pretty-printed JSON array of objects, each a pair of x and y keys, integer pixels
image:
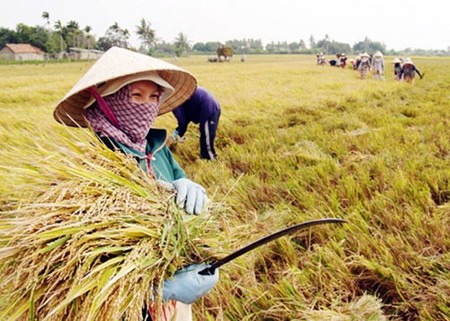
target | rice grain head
[{"x": 94, "y": 238}]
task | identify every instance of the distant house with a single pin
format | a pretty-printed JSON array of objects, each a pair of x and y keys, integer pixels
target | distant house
[
  {"x": 21, "y": 52},
  {"x": 84, "y": 54}
]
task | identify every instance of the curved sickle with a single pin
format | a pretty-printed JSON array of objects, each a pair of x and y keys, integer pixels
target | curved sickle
[{"x": 210, "y": 270}]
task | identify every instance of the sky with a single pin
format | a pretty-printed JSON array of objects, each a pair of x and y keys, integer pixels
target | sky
[{"x": 399, "y": 24}]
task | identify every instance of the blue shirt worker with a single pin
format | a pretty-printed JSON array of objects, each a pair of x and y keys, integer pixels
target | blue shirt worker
[{"x": 201, "y": 108}]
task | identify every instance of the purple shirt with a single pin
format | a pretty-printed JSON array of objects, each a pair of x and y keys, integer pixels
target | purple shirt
[{"x": 197, "y": 109}]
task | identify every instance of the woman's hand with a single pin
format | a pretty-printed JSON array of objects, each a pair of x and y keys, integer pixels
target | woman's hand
[
  {"x": 187, "y": 285},
  {"x": 190, "y": 196}
]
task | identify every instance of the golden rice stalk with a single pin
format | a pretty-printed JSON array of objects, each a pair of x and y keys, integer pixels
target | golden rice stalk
[
  {"x": 367, "y": 307},
  {"x": 94, "y": 240}
]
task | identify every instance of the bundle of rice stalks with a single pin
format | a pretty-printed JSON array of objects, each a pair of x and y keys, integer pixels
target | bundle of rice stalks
[{"x": 95, "y": 240}]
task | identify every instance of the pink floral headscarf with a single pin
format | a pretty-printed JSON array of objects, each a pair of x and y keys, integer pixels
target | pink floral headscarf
[{"x": 135, "y": 120}]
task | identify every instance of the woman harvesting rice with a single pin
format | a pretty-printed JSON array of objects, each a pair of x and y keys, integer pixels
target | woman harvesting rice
[{"x": 119, "y": 98}]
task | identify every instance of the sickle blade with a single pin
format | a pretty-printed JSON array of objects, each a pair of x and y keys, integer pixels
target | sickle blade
[{"x": 289, "y": 230}]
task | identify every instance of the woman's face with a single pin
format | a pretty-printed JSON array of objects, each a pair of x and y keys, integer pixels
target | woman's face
[{"x": 145, "y": 91}]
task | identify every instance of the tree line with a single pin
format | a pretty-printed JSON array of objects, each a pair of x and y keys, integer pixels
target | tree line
[{"x": 57, "y": 37}]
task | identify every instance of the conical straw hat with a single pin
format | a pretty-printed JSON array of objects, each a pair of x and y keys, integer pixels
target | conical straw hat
[
  {"x": 378, "y": 54},
  {"x": 116, "y": 68},
  {"x": 408, "y": 61}
]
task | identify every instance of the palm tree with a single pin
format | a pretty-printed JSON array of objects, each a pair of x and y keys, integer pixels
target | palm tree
[
  {"x": 73, "y": 33},
  {"x": 46, "y": 17},
  {"x": 59, "y": 29},
  {"x": 116, "y": 36},
  {"x": 181, "y": 44},
  {"x": 146, "y": 34},
  {"x": 88, "y": 29}
]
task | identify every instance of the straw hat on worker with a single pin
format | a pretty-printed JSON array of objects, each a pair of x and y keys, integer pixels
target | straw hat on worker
[
  {"x": 378, "y": 54},
  {"x": 116, "y": 68},
  {"x": 408, "y": 61}
]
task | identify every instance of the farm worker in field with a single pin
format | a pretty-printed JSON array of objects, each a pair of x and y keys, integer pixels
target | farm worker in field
[
  {"x": 338, "y": 60},
  {"x": 201, "y": 108},
  {"x": 378, "y": 66},
  {"x": 343, "y": 60},
  {"x": 409, "y": 71},
  {"x": 357, "y": 62},
  {"x": 364, "y": 65},
  {"x": 321, "y": 59},
  {"x": 119, "y": 98},
  {"x": 397, "y": 68}
]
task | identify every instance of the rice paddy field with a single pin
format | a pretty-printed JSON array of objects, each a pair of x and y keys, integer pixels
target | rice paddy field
[{"x": 84, "y": 235}]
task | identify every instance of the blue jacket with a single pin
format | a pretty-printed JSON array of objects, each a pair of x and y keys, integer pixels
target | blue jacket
[
  {"x": 197, "y": 109},
  {"x": 164, "y": 165}
]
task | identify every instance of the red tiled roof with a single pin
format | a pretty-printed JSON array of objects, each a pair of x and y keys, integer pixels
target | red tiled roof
[{"x": 23, "y": 48}]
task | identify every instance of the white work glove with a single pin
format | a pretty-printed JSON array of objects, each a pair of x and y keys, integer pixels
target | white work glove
[
  {"x": 175, "y": 136},
  {"x": 190, "y": 196},
  {"x": 187, "y": 285}
]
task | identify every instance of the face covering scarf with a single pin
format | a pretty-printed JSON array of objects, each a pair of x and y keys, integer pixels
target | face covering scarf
[{"x": 134, "y": 120}]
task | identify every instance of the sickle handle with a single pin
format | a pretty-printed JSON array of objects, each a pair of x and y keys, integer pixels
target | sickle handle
[{"x": 208, "y": 271}]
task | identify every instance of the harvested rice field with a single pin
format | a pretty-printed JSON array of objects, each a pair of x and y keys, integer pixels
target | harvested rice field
[{"x": 86, "y": 235}]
